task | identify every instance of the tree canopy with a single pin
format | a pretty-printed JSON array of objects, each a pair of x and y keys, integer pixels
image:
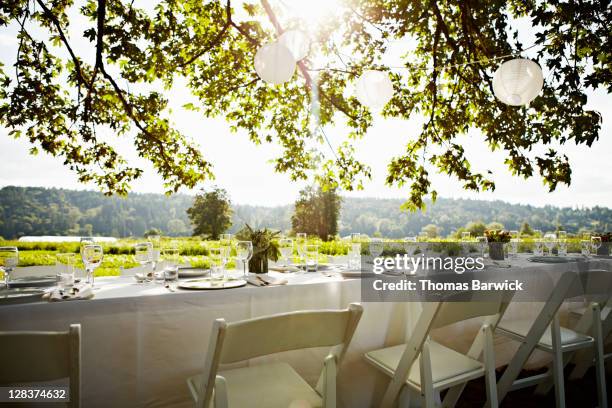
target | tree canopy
[
  {"x": 57, "y": 99},
  {"x": 317, "y": 213},
  {"x": 211, "y": 213}
]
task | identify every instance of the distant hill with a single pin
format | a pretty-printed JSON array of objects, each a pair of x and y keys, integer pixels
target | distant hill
[{"x": 40, "y": 211}]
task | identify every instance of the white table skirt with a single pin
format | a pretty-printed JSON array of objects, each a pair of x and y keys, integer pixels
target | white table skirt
[{"x": 141, "y": 342}]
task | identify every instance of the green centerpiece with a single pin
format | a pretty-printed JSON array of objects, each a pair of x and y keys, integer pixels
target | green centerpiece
[
  {"x": 265, "y": 247},
  {"x": 496, "y": 240}
]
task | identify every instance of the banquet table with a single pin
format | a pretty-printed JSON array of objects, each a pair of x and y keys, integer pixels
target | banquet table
[{"x": 140, "y": 342}]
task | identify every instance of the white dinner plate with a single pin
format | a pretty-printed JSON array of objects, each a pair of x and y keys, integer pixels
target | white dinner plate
[
  {"x": 554, "y": 259},
  {"x": 212, "y": 284}
]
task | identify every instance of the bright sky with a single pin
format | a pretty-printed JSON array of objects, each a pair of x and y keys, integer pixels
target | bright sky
[{"x": 246, "y": 172}]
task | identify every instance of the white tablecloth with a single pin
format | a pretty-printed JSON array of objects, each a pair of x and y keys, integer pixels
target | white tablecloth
[{"x": 141, "y": 342}]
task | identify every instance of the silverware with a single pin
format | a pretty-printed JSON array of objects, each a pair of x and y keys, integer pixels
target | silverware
[{"x": 170, "y": 288}]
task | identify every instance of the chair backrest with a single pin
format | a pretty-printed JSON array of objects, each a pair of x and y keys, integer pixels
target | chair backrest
[
  {"x": 275, "y": 334},
  {"x": 490, "y": 305},
  {"x": 30, "y": 356}
]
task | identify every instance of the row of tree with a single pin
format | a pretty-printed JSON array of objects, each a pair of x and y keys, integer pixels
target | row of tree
[{"x": 40, "y": 211}]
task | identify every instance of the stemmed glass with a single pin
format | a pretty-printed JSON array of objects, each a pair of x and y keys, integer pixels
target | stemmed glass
[
  {"x": 92, "y": 259},
  {"x": 410, "y": 244},
  {"x": 155, "y": 241},
  {"x": 376, "y": 247},
  {"x": 286, "y": 249},
  {"x": 596, "y": 244},
  {"x": 466, "y": 236},
  {"x": 301, "y": 238},
  {"x": 562, "y": 240},
  {"x": 9, "y": 258},
  {"x": 549, "y": 241},
  {"x": 143, "y": 254},
  {"x": 244, "y": 252}
]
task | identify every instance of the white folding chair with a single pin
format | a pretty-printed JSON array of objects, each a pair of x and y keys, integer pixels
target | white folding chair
[
  {"x": 273, "y": 385},
  {"x": 35, "y": 357},
  {"x": 429, "y": 367},
  {"x": 546, "y": 334}
]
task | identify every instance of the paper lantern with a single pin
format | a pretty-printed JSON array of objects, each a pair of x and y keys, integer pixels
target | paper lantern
[
  {"x": 297, "y": 41},
  {"x": 374, "y": 89},
  {"x": 274, "y": 63},
  {"x": 518, "y": 81}
]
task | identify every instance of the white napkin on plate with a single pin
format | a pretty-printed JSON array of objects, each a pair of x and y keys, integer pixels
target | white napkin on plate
[
  {"x": 280, "y": 268},
  {"x": 77, "y": 292}
]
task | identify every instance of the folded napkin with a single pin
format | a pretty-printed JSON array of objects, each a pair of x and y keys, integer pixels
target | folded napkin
[
  {"x": 77, "y": 292},
  {"x": 265, "y": 280}
]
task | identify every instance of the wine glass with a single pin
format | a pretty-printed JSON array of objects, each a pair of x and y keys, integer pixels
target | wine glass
[
  {"x": 143, "y": 254},
  {"x": 376, "y": 247},
  {"x": 155, "y": 241},
  {"x": 562, "y": 241},
  {"x": 244, "y": 252},
  {"x": 466, "y": 236},
  {"x": 549, "y": 241},
  {"x": 585, "y": 247},
  {"x": 9, "y": 258},
  {"x": 301, "y": 238},
  {"x": 225, "y": 242},
  {"x": 596, "y": 244},
  {"x": 92, "y": 258},
  {"x": 286, "y": 249},
  {"x": 410, "y": 244}
]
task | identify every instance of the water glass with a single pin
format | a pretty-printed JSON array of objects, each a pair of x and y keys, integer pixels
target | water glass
[
  {"x": 9, "y": 258},
  {"x": 244, "y": 252},
  {"x": 562, "y": 248},
  {"x": 65, "y": 264},
  {"x": 171, "y": 259},
  {"x": 312, "y": 258},
  {"x": 216, "y": 257},
  {"x": 513, "y": 248},
  {"x": 286, "y": 249},
  {"x": 143, "y": 254},
  {"x": 482, "y": 244}
]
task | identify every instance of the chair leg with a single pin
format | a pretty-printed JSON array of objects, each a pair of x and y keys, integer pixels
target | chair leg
[
  {"x": 558, "y": 362},
  {"x": 427, "y": 390},
  {"x": 489, "y": 363},
  {"x": 405, "y": 397},
  {"x": 600, "y": 368}
]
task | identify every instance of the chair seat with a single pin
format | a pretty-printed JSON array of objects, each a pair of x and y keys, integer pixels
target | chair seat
[
  {"x": 445, "y": 364},
  {"x": 265, "y": 386},
  {"x": 521, "y": 327}
]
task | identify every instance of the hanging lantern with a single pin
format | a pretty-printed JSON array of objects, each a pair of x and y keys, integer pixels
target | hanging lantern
[
  {"x": 518, "y": 81},
  {"x": 374, "y": 89},
  {"x": 274, "y": 63},
  {"x": 297, "y": 41}
]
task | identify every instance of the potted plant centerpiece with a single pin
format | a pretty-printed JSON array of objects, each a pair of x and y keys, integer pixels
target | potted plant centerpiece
[
  {"x": 265, "y": 246},
  {"x": 496, "y": 240}
]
